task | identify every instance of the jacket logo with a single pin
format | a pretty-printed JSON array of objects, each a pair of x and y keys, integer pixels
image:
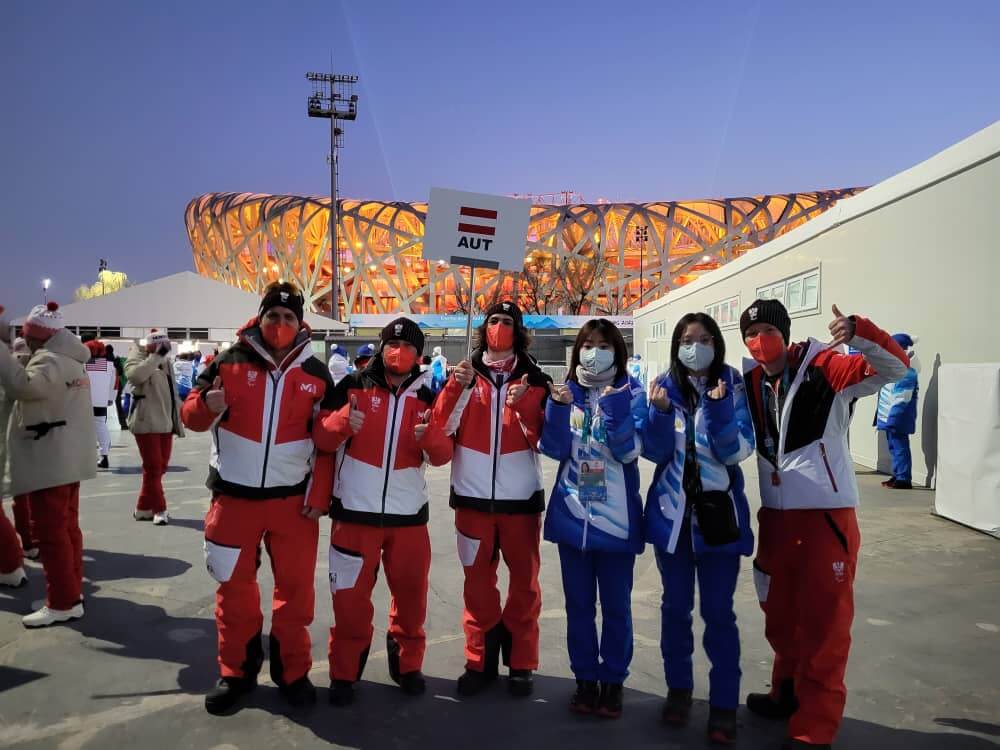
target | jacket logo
[
  {"x": 753, "y": 313},
  {"x": 838, "y": 572},
  {"x": 308, "y": 388},
  {"x": 251, "y": 377},
  {"x": 376, "y": 402}
]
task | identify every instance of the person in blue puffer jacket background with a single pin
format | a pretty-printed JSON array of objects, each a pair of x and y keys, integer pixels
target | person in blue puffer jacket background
[
  {"x": 897, "y": 416},
  {"x": 697, "y": 431},
  {"x": 592, "y": 427}
]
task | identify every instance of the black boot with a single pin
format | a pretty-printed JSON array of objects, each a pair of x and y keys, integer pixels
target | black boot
[
  {"x": 392, "y": 656},
  {"x": 103, "y": 463},
  {"x": 413, "y": 683},
  {"x": 586, "y": 697},
  {"x": 299, "y": 693},
  {"x": 341, "y": 693},
  {"x": 722, "y": 726},
  {"x": 677, "y": 709},
  {"x": 227, "y": 693},
  {"x": 472, "y": 683},
  {"x": 520, "y": 684},
  {"x": 780, "y": 707},
  {"x": 800, "y": 745},
  {"x": 610, "y": 705}
]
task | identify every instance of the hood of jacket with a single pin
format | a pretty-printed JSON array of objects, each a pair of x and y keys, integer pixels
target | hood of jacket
[{"x": 68, "y": 344}]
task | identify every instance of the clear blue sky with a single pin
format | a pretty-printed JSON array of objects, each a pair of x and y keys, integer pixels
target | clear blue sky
[{"x": 116, "y": 114}]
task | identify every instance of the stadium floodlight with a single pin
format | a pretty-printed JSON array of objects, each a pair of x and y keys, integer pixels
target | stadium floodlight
[
  {"x": 46, "y": 283},
  {"x": 333, "y": 98}
]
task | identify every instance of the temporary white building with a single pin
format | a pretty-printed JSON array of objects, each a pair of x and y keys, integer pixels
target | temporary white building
[
  {"x": 917, "y": 253},
  {"x": 188, "y": 306}
]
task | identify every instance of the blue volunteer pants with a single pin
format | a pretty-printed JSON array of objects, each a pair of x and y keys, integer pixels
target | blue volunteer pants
[
  {"x": 716, "y": 575},
  {"x": 584, "y": 575},
  {"x": 902, "y": 463}
]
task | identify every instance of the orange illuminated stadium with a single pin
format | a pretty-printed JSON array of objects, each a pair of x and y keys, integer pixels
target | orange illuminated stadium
[{"x": 580, "y": 258}]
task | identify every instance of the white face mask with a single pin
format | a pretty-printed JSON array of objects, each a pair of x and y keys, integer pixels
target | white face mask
[
  {"x": 696, "y": 356},
  {"x": 596, "y": 361}
]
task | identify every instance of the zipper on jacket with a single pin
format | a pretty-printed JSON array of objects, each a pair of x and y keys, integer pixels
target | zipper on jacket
[
  {"x": 826, "y": 463},
  {"x": 388, "y": 456},
  {"x": 496, "y": 445},
  {"x": 270, "y": 426}
]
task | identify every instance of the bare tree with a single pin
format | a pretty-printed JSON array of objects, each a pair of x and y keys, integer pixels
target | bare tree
[
  {"x": 577, "y": 276},
  {"x": 539, "y": 284}
]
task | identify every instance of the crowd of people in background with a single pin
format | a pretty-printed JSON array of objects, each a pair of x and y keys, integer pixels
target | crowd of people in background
[{"x": 294, "y": 440}]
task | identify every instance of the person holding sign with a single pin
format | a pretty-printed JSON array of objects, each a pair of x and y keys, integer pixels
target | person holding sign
[
  {"x": 697, "y": 517},
  {"x": 380, "y": 425},
  {"x": 799, "y": 398},
  {"x": 493, "y": 405},
  {"x": 592, "y": 427}
]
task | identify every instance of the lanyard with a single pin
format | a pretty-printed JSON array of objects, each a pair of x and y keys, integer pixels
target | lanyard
[{"x": 771, "y": 442}]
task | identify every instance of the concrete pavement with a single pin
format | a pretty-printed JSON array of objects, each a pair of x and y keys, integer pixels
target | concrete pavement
[{"x": 923, "y": 674}]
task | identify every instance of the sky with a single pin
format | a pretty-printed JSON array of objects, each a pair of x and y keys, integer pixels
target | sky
[{"x": 115, "y": 115}]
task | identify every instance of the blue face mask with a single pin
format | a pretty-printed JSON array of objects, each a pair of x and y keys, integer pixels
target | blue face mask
[
  {"x": 696, "y": 356},
  {"x": 595, "y": 361}
]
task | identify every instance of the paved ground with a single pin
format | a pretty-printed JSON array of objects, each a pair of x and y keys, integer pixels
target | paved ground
[{"x": 923, "y": 674}]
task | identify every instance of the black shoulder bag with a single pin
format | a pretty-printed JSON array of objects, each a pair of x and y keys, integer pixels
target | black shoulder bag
[{"x": 714, "y": 509}]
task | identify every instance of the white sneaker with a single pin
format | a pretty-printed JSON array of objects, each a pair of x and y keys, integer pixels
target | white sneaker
[
  {"x": 161, "y": 519},
  {"x": 143, "y": 515},
  {"x": 32, "y": 554},
  {"x": 15, "y": 579},
  {"x": 45, "y": 616}
]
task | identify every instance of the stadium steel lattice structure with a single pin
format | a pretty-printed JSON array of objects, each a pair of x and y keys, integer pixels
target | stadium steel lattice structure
[{"x": 581, "y": 258}]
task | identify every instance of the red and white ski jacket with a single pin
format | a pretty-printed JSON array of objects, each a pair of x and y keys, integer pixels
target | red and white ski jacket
[
  {"x": 380, "y": 470},
  {"x": 262, "y": 445},
  {"x": 802, "y": 454},
  {"x": 496, "y": 466}
]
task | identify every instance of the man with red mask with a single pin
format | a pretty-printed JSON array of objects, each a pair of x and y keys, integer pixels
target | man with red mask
[
  {"x": 259, "y": 399},
  {"x": 799, "y": 397},
  {"x": 380, "y": 509},
  {"x": 494, "y": 405}
]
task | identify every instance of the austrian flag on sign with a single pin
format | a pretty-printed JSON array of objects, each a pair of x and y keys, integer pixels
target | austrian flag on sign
[{"x": 485, "y": 221}]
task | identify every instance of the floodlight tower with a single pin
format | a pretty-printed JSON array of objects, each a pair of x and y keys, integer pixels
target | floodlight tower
[{"x": 333, "y": 97}]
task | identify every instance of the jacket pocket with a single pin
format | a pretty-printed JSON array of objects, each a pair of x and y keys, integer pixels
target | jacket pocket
[
  {"x": 826, "y": 463},
  {"x": 468, "y": 548},
  {"x": 345, "y": 567},
  {"x": 220, "y": 560},
  {"x": 837, "y": 532},
  {"x": 761, "y": 582}
]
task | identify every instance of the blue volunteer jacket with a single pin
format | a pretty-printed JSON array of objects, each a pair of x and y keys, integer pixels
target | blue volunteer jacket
[
  {"x": 897, "y": 405},
  {"x": 723, "y": 436},
  {"x": 615, "y": 426}
]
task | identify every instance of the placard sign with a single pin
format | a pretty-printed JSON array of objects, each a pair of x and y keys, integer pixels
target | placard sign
[{"x": 476, "y": 229}]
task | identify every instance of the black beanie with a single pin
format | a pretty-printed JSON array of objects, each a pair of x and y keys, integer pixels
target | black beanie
[
  {"x": 406, "y": 330},
  {"x": 769, "y": 311},
  {"x": 506, "y": 308},
  {"x": 282, "y": 295}
]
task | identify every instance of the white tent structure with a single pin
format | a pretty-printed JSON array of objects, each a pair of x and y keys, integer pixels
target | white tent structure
[{"x": 190, "y": 307}]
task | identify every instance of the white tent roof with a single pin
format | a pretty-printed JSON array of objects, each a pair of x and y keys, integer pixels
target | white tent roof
[{"x": 183, "y": 300}]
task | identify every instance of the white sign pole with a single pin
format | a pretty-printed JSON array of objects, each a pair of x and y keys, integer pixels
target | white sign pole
[{"x": 472, "y": 311}]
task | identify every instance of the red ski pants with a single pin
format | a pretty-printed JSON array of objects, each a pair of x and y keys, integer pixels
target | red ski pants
[
  {"x": 355, "y": 553},
  {"x": 234, "y": 529},
  {"x": 154, "y": 448},
  {"x": 804, "y": 572},
  {"x": 22, "y": 521},
  {"x": 11, "y": 557},
  {"x": 55, "y": 521},
  {"x": 482, "y": 539}
]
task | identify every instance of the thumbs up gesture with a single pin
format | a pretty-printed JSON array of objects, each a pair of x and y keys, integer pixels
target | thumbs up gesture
[
  {"x": 356, "y": 417},
  {"x": 421, "y": 427},
  {"x": 719, "y": 392},
  {"x": 215, "y": 397},
  {"x": 560, "y": 393},
  {"x": 841, "y": 328},
  {"x": 517, "y": 390}
]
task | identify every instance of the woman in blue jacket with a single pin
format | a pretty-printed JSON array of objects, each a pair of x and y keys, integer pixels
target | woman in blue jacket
[
  {"x": 592, "y": 426},
  {"x": 697, "y": 431}
]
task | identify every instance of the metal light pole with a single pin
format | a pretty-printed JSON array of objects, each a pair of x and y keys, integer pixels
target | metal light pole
[
  {"x": 333, "y": 98},
  {"x": 101, "y": 268},
  {"x": 46, "y": 283},
  {"x": 641, "y": 235}
]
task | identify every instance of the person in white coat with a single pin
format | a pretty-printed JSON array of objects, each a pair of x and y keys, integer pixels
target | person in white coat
[{"x": 101, "y": 373}]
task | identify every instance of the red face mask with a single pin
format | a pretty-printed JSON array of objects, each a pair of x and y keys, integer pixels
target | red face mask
[
  {"x": 767, "y": 347},
  {"x": 399, "y": 360},
  {"x": 278, "y": 336},
  {"x": 500, "y": 337}
]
